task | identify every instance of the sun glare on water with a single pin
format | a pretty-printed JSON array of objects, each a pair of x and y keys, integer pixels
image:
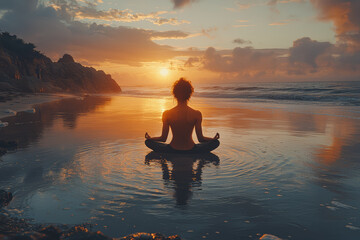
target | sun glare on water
[{"x": 164, "y": 72}]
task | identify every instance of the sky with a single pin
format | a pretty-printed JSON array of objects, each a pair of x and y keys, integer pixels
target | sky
[{"x": 154, "y": 42}]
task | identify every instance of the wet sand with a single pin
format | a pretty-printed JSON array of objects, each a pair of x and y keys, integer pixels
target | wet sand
[{"x": 13, "y": 102}]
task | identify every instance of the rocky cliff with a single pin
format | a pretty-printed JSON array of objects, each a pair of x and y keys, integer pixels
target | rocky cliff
[{"x": 24, "y": 69}]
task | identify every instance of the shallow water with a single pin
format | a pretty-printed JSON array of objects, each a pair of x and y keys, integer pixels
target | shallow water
[{"x": 290, "y": 170}]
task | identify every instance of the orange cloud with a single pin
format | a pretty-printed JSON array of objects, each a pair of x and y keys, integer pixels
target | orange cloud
[
  {"x": 346, "y": 18},
  {"x": 88, "y": 11},
  {"x": 306, "y": 59},
  {"x": 340, "y": 12},
  {"x": 55, "y": 32}
]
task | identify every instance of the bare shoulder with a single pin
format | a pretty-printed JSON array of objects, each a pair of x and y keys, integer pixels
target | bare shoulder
[
  {"x": 195, "y": 112},
  {"x": 169, "y": 112},
  {"x": 166, "y": 114}
]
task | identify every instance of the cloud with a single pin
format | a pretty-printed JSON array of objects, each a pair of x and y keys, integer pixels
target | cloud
[
  {"x": 310, "y": 56},
  {"x": 167, "y": 35},
  {"x": 190, "y": 62},
  {"x": 87, "y": 10},
  {"x": 348, "y": 62},
  {"x": 345, "y": 56},
  {"x": 182, "y": 3},
  {"x": 244, "y": 61},
  {"x": 21, "y": 6},
  {"x": 272, "y": 4},
  {"x": 305, "y": 53},
  {"x": 346, "y": 18},
  {"x": 305, "y": 50},
  {"x": 241, "y": 6},
  {"x": 241, "y": 41},
  {"x": 208, "y": 32},
  {"x": 55, "y": 33},
  {"x": 306, "y": 59},
  {"x": 171, "y": 21}
]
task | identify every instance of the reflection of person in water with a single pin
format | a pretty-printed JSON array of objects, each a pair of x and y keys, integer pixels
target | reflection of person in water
[
  {"x": 183, "y": 174},
  {"x": 182, "y": 119}
]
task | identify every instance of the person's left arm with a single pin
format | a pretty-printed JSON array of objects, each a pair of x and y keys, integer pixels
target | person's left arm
[
  {"x": 165, "y": 130},
  {"x": 198, "y": 130}
]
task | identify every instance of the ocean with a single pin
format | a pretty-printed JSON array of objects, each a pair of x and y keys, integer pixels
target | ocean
[{"x": 332, "y": 93}]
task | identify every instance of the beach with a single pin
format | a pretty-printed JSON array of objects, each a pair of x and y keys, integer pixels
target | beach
[
  {"x": 180, "y": 119},
  {"x": 13, "y": 102},
  {"x": 283, "y": 168}
]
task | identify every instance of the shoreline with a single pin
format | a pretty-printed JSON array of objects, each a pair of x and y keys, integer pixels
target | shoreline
[
  {"x": 14, "y": 102},
  {"x": 11, "y": 103}
]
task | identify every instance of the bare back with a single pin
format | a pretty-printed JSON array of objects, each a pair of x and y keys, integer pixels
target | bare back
[{"x": 182, "y": 120}]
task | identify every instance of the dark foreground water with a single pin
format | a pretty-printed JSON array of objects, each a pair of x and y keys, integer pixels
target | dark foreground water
[{"x": 290, "y": 170}]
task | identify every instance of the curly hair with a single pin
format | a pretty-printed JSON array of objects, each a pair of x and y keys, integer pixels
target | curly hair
[{"x": 182, "y": 90}]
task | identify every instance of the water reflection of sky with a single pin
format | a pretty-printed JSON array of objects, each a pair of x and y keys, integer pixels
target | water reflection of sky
[{"x": 285, "y": 170}]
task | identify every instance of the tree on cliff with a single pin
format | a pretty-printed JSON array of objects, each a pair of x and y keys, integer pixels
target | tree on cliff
[
  {"x": 23, "y": 68},
  {"x": 17, "y": 46}
]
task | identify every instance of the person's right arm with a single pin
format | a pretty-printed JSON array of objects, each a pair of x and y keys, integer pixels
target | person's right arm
[
  {"x": 198, "y": 129},
  {"x": 165, "y": 130}
]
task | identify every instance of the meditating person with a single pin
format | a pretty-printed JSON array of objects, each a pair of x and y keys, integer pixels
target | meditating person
[{"x": 182, "y": 119}]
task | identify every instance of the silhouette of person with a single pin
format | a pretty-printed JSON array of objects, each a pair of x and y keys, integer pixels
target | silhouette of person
[
  {"x": 182, "y": 120},
  {"x": 183, "y": 174}
]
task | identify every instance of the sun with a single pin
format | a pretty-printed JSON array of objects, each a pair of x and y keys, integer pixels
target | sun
[{"x": 164, "y": 72}]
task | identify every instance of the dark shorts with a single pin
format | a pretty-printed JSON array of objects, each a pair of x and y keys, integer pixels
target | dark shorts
[{"x": 202, "y": 147}]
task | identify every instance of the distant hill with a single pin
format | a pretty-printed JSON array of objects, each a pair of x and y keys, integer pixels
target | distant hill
[{"x": 24, "y": 69}]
